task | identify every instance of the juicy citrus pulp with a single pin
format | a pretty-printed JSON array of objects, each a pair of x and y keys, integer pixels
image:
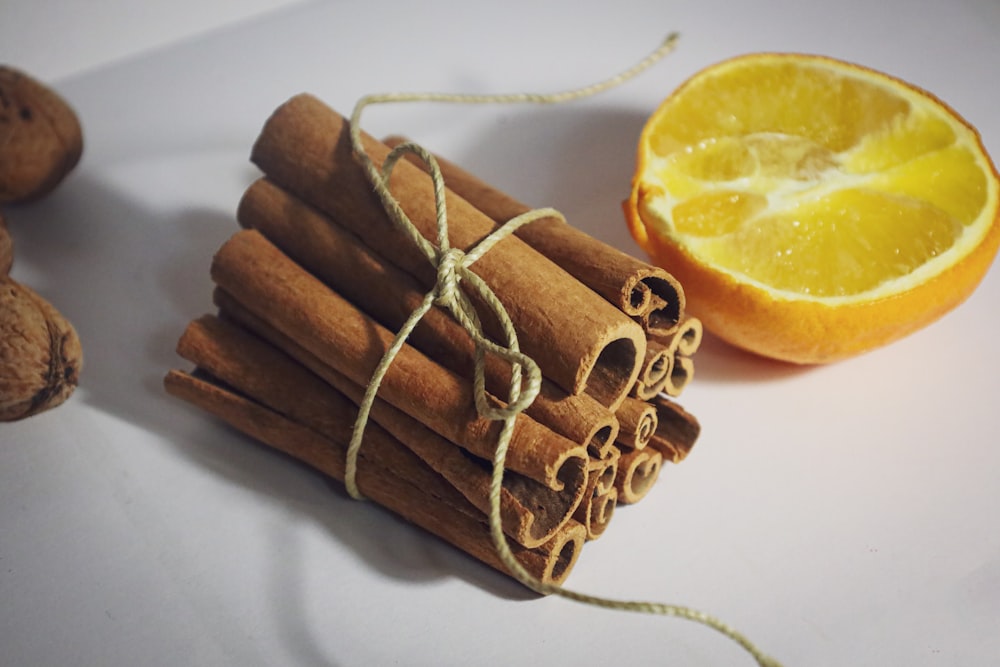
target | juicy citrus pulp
[{"x": 813, "y": 209}]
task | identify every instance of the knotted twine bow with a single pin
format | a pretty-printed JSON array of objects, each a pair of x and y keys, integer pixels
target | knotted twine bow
[{"x": 452, "y": 266}]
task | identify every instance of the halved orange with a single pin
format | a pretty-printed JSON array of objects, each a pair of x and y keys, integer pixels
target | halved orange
[{"x": 813, "y": 209}]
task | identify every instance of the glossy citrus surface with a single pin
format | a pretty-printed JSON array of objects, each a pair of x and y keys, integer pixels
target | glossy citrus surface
[{"x": 813, "y": 209}]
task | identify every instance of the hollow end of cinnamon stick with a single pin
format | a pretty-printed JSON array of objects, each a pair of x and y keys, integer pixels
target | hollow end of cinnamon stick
[
  {"x": 689, "y": 336},
  {"x": 638, "y": 471},
  {"x": 647, "y": 427},
  {"x": 662, "y": 299},
  {"x": 635, "y": 298},
  {"x": 657, "y": 364},
  {"x": 680, "y": 376},
  {"x": 605, "y": 478},
  {"x": 563, "y": 551},
  {"x": 602, "y": 509},
  {"x": 611, "y": 376},
  {"x": 684, "y": 343},
  {"x": 601, "y": 496},
  {"x": 638, "y": 423},
  {"x": 596, "y": 511},
  {"x": 603, "y": 440},
  {"x": 540, "y": 511},
  {"x": 646, "y": 392},
  {"x": 603, "y": 472},
  {"x": 663, "y": 371}
]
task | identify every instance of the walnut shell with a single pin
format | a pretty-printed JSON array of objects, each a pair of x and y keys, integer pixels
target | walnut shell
[
  {"x": 40, "y": 137},
  {"x": 6, "y": 248},
  {"x": 40, "y": 353}
]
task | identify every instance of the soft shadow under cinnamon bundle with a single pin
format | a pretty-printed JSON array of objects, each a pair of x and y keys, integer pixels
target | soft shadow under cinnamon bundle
[{"x": 311, "y": 292}]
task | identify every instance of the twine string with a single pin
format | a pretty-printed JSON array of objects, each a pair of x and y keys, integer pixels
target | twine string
[
  {"x": 453, "y": 269},
  {"x": 452, "y": 266}
]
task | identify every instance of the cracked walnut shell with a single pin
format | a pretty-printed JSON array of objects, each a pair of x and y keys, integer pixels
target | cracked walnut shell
[
  {"x": 40, "y": 353},
  {"x": 40, "y": 137}
]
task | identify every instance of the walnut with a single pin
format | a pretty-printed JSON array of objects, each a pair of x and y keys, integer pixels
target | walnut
[
  {"x": 40, "y": 353},
  {"x": 6, "y": 248},
  {"x": 40, "y": 137}
]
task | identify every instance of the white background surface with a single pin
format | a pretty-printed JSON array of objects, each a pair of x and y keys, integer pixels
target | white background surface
[{"x": 844, "y": 515}]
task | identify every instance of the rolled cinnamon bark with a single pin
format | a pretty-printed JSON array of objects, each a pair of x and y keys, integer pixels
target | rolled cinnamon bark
[
  {"x": 388, "y": 474},
  {"x": 638, "y": 470},
  {"x": 601, "y": 497},
  {"x": 272, "y": 377},
  {"x": 637, "y": 420},
  {"x": 676, "y": 431},
  {"x": 338, "y": 258},
  {"x": 650, "y": 294},
  {"x": 688, "y": 338},
  {"x": 468, "y": 476},
  {"x": 297, "y": 304},
  {"x": 581, "y": 342},
  {"x": 605, "y": 469},
  {"x": 681, "y": 374},
  {"x": 522, "y": 498},
  {"x": 685, "y": 342},
  {"x": 656, "y": 369}
]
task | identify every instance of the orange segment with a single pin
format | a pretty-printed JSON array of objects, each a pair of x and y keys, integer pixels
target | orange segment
[
  {"x": 950, "y": 179},
  {"x": 716, "y": 213},
  {"x": 813, "y": 209},
  {"x": 826, "y": 248}
]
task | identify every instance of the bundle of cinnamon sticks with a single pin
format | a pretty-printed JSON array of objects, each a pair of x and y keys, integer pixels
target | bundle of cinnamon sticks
[{"x": 311, "y": 291}]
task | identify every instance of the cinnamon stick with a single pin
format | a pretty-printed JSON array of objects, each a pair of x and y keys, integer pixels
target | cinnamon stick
[
  {"x": 685, "y": 342},
  {"x": 638, "y": 470},
  {"x": 688, "y": 338},
  {"x": 605, "y": 469},
  {"x": 531, "y": 511},
  {"x": 271, "y": 377},
  {"x": 581, "y": 342},
  {"x": 638, "y": 423},
  {"x": 676, "y": 431},
  {"x": 296, "y": 303},
  {"x": 601, "y": 497},
  {"x": 337, "y": 257},
  {"x": 681, "y": 374},
  {"x": 388, "y": 474},
  {"x": 656, "y": 365},
  {"x": 650, "y": 294},
  {"x": 656, "y": 370}
]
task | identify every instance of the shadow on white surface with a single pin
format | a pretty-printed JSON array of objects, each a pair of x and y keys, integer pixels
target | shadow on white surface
[
  {"x": 578, "y": 158},
  {"x": 122, "y": 272},
  {"x": 718, "y": 361}
]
